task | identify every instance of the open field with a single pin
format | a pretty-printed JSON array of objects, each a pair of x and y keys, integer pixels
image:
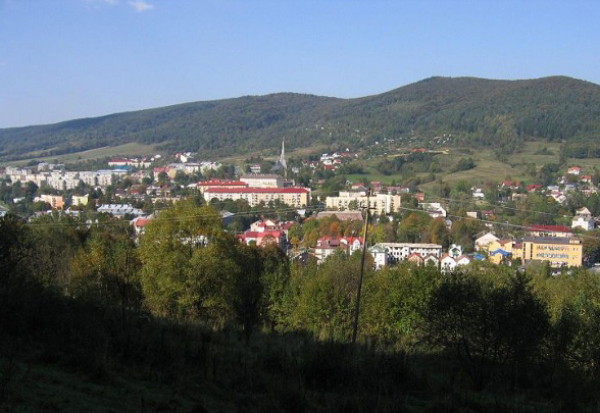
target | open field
[
  {"x": 271, "y": 156},
  {"x": 129, "y": 149}
]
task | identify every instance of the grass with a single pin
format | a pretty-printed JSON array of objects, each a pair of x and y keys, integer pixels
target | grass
[
  {"x": 129, "y": 149},
  {"x": 35, "y": 387}
]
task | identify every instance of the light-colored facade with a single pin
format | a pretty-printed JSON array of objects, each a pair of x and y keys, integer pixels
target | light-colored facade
[
  {"x": 559, "y": 252},
  {"x": 296, "y": 197},
  {"x": 77, "y": 200},
  {"x": 400, "y": 251},
  {"x": 263, "y": 181},
  {"x": 380, "y": 203},
  {"x": 120, "y": 210},
  {"x": 55, "y": 201}
]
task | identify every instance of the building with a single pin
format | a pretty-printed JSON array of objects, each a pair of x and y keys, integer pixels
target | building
[
  {"x": 295, "y": 197},
  {"x": 433, "y": 209},
  {"x": 327, "y": 246},
  {"x": 341, "y": 215},
  {"x": 120, "y": 210},
  {"x": 55, "y": 201},
  {"x": 382, "y": 204},
  {"x": 380, "y": 256},
  {"x": 401, "y": 251},
  {"x": 77, "y": 200},
  {"x": 559, "y": 231},
  {"x": 219, "y": 183},
  {"x": 583, "y": 219},
  {"x": 263, "y": 181},
  {"x": 559, "y": 252}
]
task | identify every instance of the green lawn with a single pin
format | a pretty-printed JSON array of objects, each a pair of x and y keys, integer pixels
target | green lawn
[{"x": 129, "y": 149}]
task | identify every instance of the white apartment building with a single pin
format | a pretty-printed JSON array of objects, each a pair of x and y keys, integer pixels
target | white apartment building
[
  {"x": 398, "y": 251},
  {"x": 296, "y": 197},
  {"x": 380, "y": 203}
]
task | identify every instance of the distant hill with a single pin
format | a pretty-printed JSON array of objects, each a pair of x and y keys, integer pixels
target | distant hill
[{"x": 474, "y": 111}]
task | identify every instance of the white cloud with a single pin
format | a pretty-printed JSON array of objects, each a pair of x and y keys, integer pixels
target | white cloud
[{"x": 141, "y": 5}]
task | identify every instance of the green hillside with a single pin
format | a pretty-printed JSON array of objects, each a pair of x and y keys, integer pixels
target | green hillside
[{"x": 496, "y": 113}]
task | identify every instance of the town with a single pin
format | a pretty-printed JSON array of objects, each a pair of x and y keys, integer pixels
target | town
[{"x": 402, "y": 219}]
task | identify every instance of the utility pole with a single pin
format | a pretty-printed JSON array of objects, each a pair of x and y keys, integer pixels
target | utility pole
[{"x": 362, "y": 268}]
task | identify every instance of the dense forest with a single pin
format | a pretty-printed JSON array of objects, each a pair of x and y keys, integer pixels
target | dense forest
[
  {"x": 223, "y": 326},
  {"x": 468, "y": 111}
]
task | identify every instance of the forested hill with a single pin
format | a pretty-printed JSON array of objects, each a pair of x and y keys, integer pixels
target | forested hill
[{"x": 474, "y": 111}]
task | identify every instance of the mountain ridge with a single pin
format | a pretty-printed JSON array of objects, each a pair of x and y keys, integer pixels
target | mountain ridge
[{"x": 475, "y": 111}]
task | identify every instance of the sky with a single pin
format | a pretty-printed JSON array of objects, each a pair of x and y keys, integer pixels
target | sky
[{"x": 68, "y": 59}]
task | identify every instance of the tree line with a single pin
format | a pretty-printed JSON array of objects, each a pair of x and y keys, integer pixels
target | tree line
[{"x": 190, "y": 299}]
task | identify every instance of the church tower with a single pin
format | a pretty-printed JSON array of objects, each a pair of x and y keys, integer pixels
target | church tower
[{"x": 282, "y": 160}]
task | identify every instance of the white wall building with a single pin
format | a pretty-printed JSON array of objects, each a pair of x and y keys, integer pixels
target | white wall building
[
  {"x": 398, "y": 251},
  {"x": 380, "y": 203}
]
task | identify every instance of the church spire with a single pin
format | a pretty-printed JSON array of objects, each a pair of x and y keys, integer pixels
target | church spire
[{"x": 282, "y": 160}]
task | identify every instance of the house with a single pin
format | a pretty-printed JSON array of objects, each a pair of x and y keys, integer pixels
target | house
[
  {"x": 139, "y": 224},
  {"x": 583, "y": 219},
  {"x": 380, "y": 256},
  {"x": 432, "y": 260},
  {"x": 447, "y": 263},
  {"x": 463, "y": 260},
  {"x": 264, "y": 238},
  {"x": 508, "y": 184},
  {"x": 477, "y": 193},
  {"x": 433, "y": 209},
  {"x": 533, "y": 188},
  {"x": 483, "y": 241},
  {"x": 574, "y": 170},
  {"x": 415, "y": 258},
  {"x": 327, "y": 246},
  {"x": 499, "y": 256}
]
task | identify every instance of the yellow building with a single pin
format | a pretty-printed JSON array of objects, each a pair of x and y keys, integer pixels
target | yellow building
[
  {"x": 55, "y": 201},
  {"x": 495, "y": 250},
  {"x": 558, "y": 252},
  {"x": 79, "y": 200}
]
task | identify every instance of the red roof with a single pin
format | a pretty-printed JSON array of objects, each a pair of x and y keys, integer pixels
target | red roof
[
  {"x": 255, "y": 234},
  {"x": 217, "y": 190},
  {"x": 533, "y": 187},
  {"x": 219, "y": 182},
  {"x": 550, "y": 228},
  {"x": 142, "y": 222}
]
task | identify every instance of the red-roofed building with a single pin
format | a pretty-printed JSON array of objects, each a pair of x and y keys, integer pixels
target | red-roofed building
[
  {"x": 574, "y": 170},
  {"x": 139, "y": 224},
  {"x": 264, "y": 238},
  {"x": 559, "y": 231},
  {"x": 220, "y": 183},
  {"x": 533, "y": 187},
  {"x": 327, "y": 246},
  {"x": 510, "y": 184}
]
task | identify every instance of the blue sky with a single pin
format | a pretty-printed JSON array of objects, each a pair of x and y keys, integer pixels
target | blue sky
[{"x": 66, "y": 59}]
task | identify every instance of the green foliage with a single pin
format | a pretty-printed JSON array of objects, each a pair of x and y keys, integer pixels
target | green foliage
[
  {"x": 497, "y": 114},
  {"x": 464, "y": 164},
  {"x": 488, "y": 323}
]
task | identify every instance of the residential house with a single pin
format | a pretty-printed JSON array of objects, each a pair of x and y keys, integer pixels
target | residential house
[{"x": 483, "y": 241}]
